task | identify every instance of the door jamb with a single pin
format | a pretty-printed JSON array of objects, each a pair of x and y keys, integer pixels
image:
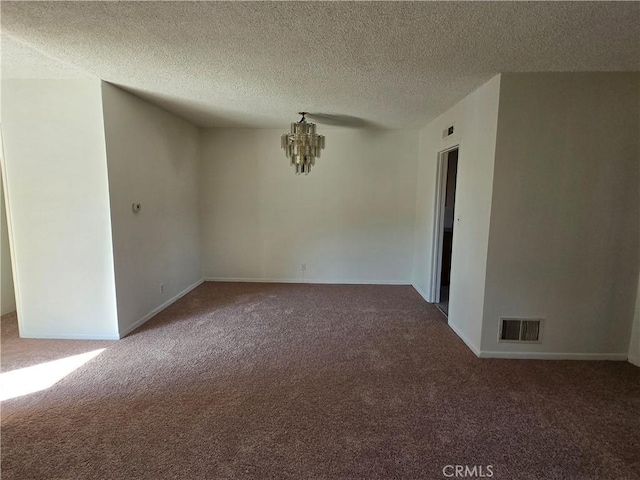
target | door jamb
[
  {"x": 12, "y": 249},
  {"x": 438, "y": 221}
]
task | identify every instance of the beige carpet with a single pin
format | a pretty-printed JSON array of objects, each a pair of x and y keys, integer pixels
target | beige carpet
[{"x": 307, "y": 382}]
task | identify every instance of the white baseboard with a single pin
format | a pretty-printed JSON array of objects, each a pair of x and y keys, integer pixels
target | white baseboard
[
  {"x": 422, "y": 294},
  {"x": 621, "y": 357},
  {"x": 71, "y": 336},
  {"x": 534, "y": 355},
  {"x": 634, "y": 360},
  {"x": 467, "y": 342},
  {"x": 476, "y": 351},
  {"x": 306, "y": 280},
  {"x": 127, "y": 330}
]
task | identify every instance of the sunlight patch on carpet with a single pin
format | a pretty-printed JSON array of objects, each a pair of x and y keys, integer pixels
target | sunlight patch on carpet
[{"x": 40, "y": 377}]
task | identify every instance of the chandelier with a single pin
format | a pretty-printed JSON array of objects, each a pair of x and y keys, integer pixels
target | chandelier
[{"x": 302, "y": 145}]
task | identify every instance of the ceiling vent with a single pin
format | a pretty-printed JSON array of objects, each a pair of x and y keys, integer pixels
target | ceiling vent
[{"x": 520, "y": 330}]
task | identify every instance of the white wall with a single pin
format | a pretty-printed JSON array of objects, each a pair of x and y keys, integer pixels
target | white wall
[
  {"x": 475, "y": 119},
  {"x": 153, "y": 159},
  {"x": 349, "y": 220},
  {"x": 56, "y": 177},
  {"x": 8, "y": 300},
  {"x": 634, "y": 342},
  {"x": 564, "y": 244}
]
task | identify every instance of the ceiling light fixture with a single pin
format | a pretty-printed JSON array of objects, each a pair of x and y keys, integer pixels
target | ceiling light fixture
[{"x": 302, "y": 145}]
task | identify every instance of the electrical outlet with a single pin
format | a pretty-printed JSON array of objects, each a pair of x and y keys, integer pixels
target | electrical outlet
[
  {"x": 162, "y": 288},
  {"x": 304, "y": 267}
]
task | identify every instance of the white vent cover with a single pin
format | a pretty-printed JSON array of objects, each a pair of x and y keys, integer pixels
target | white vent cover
[
  {"x": 448, "y": 131},
  {"x": 520, "y": 330}
]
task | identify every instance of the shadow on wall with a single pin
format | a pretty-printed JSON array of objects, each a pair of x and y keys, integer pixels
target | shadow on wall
[
  {"x": 200, "y": 114},
  {"x": 194, "y": 112}
]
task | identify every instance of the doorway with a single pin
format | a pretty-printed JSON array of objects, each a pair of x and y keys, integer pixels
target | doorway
[
  {"x": 445, "y": 208},
  {"x": 8, "y": 300}
]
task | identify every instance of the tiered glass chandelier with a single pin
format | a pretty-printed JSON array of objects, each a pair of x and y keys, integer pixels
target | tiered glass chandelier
[{"x": 302, "y": 145}]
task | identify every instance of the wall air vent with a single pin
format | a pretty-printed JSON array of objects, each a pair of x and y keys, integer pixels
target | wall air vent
[
  {"x": 447, "y": 132},
  {"x": 520, "y": 330}
]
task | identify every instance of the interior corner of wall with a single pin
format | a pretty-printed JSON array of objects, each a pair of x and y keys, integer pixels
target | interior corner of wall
[
  {"x": 472, "y": 346},
  {"x": 105, "y": 85},
  {"x": 420, "y": 291}
]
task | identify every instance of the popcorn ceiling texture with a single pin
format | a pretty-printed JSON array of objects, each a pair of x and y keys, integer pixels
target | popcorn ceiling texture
[
  {"x": 255, "y": 64},
  {"x": 21, "y": 61}
]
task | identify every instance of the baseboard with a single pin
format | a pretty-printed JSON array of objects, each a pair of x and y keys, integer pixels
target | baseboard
[
  {"x": 422, "y": 294},
  {"x": 634, "y": 360},
  {"x": 126, "y": 331},
  {"x": 71, "y": 336},
  {"x": 468, "y": 343},
  {"x": 305, "y": 280},
  {"x": 620, "y": 357}
]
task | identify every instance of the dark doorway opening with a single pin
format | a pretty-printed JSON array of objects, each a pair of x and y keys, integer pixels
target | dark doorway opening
[{"x": 451, "y": 165}]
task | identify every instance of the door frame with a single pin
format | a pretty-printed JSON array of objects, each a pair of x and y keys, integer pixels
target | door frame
[
  {"x": 12, "y": 249},
  {"x": 438, "y": 220}
]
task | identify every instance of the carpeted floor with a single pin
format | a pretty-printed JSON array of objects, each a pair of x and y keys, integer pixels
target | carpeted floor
[{"x": 313, "y": 381}]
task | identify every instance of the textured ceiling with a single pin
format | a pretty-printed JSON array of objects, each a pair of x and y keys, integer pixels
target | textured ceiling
[
  {"x": 21, "y": 61},
  {"x": 255, "y": 64}
]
